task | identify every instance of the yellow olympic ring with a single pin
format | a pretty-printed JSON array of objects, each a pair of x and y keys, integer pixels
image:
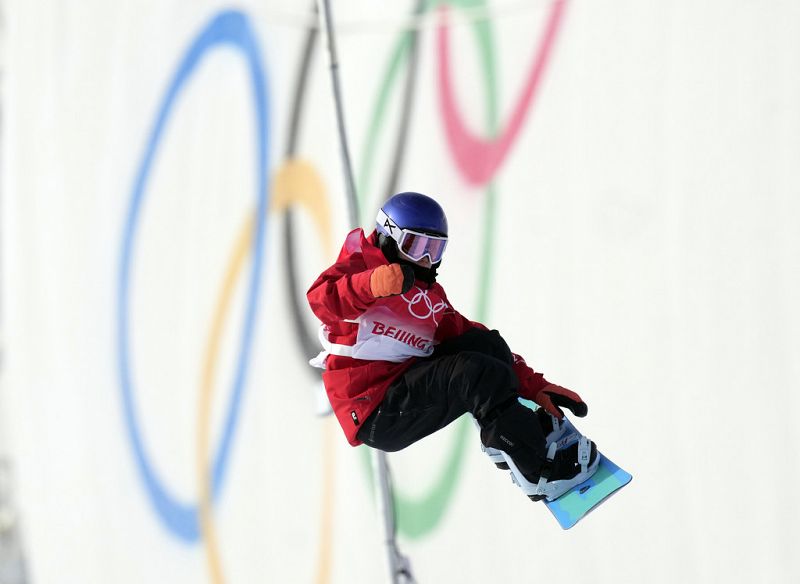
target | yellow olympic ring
[{"x": 296, "y": 182}]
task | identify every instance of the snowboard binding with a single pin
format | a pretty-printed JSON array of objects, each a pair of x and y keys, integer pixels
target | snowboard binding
[
  {"x": 571, "y": 459},
  {"x": 495, "y": 455}
]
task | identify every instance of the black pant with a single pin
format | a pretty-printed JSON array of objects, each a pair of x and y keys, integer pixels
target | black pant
[{"x": 472, "y": 374}]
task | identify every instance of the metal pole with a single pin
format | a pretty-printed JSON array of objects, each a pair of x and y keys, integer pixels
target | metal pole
[
  {"x": 327, "y": 21},
  {"x": 399, "y": 565}
]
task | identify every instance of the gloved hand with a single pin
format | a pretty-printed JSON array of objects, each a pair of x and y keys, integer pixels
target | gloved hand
[
  {"x": 390, "y": 280},
  {"x": 551, "y": 396}
]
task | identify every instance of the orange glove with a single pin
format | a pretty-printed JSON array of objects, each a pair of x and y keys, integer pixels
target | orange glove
[
  {"x": 390, "y": 280},
  {"x": 551, "y": 396}
]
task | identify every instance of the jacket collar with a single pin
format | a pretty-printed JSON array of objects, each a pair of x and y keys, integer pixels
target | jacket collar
[{"x": 372, "y": 254}]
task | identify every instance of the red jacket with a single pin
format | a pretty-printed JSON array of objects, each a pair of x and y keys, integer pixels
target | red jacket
[{"x": 369, "y": 342}]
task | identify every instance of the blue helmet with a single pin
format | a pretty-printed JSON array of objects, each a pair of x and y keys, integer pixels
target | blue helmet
[
  {"x": 412, "y": 229},
  {"x": 413, "y": 211}
]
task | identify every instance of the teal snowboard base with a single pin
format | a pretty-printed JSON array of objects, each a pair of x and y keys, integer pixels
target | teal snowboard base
[{"x": 579, "y": 501}]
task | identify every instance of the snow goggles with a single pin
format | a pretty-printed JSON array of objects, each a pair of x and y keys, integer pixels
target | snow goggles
[{"x": 415, "y": 245}]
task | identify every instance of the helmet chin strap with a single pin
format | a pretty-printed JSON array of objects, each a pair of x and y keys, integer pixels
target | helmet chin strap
[{"x": 391, "y": 253}]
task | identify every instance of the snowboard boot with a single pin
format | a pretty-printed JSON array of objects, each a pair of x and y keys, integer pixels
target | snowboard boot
[
  {"x": 545, "y": 456},
  {"x": 553, "y": 428},
  {"x": 571, "y": 460},
  {"x": 513, "y": 431}
]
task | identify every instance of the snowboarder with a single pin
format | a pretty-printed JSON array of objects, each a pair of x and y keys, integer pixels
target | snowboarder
[{"x": 401, "y": 363}]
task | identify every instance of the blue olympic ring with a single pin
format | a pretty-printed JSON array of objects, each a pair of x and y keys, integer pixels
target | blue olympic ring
[{"x": 230, "y": 28}]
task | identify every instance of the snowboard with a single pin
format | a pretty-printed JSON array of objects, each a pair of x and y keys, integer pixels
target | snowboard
[{"x": 584, "y": 498}]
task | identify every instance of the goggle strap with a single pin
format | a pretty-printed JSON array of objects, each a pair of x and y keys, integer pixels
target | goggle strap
[{"x": 389, "y": 227}]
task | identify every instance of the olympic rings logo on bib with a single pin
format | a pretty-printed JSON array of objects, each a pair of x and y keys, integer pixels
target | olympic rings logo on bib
[{"x": 422, "y": 297}]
